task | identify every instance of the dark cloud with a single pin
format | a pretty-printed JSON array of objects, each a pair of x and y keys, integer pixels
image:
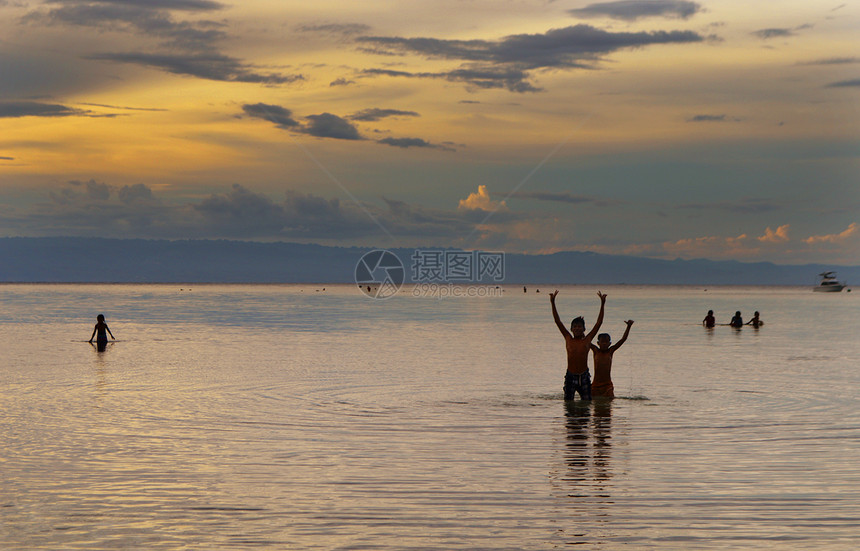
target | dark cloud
[
  {"x": 375, "y": 114},
  {"x": 245, "y": 213},
  {"x": 324, "y": 125},
  {"x": 773, "y": 33},
  {"x": 327, "y": 125},
  {"x": 96, "y": 209},
  {"x": 708, "y": 118},
  {"x": 493, "y": 77},
  {"x": 631, "y": 10},
  {"x": 404, "y": 219},
  {"x": 765, "y": 34},
  {"x": 135, "y": 194},
  {"x": 14, "y": 109},
  {"x": 832, "y": 61},
  {"x": 82, "y": 191},
  {"x": 7, "y": 158},
  {"x": 188, "y": 47},
  {"x": 311, "y": 205},
  {"x": 506, "y": 63},
  {"x": 343, "y": 29},
  {"x": 341, "y": 82},
  {"x": 207, "y": 66},
  {"x": 282, "y": 117},
  {"x": 135, "y": 17},
  {"x": 406, "y": 143},
  {"x": 565, "y": 47},
  {"x": 744, "y": 206},
  {"x": 125, "y": 108},
  {"x": 845, "y": 84},
  {"x": 513, "y": 80},
  {"x": 180, "y": 5},
  {"x": 557, "y": 197},
  {"x": 547, "y": 196},
  {"x": 242, "y": 212},
  {"x": 393, "y": 73}
]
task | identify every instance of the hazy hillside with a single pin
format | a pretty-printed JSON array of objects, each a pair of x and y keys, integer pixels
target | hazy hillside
[{"x": 72, "y": 259}]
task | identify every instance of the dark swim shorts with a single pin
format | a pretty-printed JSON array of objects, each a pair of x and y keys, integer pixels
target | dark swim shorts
[{"x": 577, "y": 382}]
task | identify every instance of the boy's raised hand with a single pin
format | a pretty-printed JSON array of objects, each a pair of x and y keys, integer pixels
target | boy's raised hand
[
  {"x": 629, "y": 323},
  {"x": 553, "y": 295},
  {"x": 602, "y": 296}
]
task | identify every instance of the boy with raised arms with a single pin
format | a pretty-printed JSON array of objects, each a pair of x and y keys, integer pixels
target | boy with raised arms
[
  {"x": 602, "y": 385},
  {"x": 577, "y": 378}
]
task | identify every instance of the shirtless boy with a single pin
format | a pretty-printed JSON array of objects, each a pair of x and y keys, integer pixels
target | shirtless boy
[
  {"x": 602, "y": 385},
  {"x": 577, "y": 378}
]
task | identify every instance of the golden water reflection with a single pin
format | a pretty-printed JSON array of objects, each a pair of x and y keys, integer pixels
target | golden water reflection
[{"x": 585, "y": 481}]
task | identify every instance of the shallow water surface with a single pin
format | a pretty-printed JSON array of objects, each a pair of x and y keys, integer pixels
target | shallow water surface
[{"x": 288, "y": 417}]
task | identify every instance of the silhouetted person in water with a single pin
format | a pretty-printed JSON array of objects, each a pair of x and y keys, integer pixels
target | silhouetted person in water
[
  {"x": 103, "y": 330},
  {"x": 578, "y": 344},
  {"x": 737, "y": 321},
  {"x": 710, "y": 321},
  {"x": 755, "y": 321},
  {"x": 603, "y": 351}
]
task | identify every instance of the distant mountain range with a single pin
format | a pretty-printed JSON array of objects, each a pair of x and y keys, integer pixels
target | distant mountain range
[{"x": 76, "y": 259}]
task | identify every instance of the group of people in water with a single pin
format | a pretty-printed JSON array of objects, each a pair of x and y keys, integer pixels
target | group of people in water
[
  {"x": 577, "y": 379},
  {"x": 737, "y": 320},
  {"x": 578, "y": 343}
]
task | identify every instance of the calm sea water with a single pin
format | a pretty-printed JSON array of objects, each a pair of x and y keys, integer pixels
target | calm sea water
[{"x": 288, "y": 417}]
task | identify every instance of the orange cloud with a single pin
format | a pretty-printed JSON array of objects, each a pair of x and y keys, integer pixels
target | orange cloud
[
  {"x": 778, "y": 236},
  {"x": 833, "y": 238},
  {"x": 710, "y": 246},
  {"x": 481, "y": 201}
]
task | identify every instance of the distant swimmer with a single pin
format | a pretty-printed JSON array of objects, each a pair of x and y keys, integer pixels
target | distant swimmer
[
  {"x": 756, "y": 320},
  {"x": 737, "y": 321},
  {"x": 602, "y": 385},
  {"x": 577, "y": 378},
  {"x": 710, "y": 321},
  {"x": 524, "y": 289},
  {"x": 103, "y": 330}
]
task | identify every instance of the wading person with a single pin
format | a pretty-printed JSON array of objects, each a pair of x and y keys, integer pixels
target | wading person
[
  {"x": 602, "y": 386},
  {"x": 103, "y": 330},
  {"x": 577, "y": 343}
]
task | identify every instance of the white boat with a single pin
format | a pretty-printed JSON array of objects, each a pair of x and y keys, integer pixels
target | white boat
[{"x": 828, "y": 283}]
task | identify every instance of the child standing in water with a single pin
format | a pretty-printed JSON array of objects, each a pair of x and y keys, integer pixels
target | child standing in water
[
  {"x": 100, "y": 328},
  {"x": 737, "y": 321},
  {"x": 755, "y": 321},
  {"x": 577, "y": 378},
  {"x": 602, "y": 385}
]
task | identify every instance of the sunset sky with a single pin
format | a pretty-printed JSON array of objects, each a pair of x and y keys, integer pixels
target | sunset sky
[{"x": 720, "y": 129}]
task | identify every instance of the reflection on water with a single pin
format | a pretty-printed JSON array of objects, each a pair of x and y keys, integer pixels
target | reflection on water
[
  {"x": 586, "y": 480},
  {"x": 100, "y": 345}
]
